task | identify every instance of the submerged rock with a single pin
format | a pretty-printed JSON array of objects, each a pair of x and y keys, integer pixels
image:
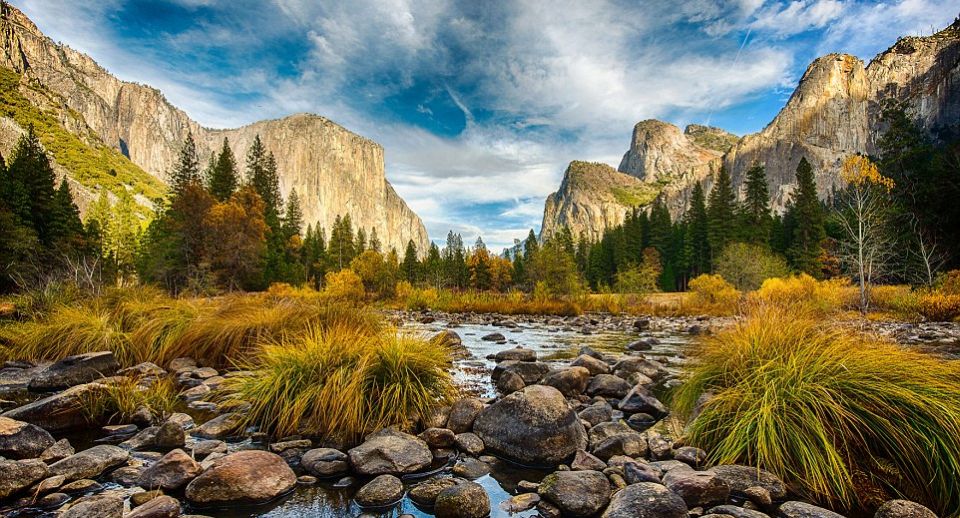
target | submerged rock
[{"x": 534, "y": 426}]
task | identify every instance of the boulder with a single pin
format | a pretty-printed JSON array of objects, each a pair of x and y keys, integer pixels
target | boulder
[
  {"x": 425, "y": 493},
  {"x": 796, "y": 509},
  {"x": 380, "y": 492},
  {"x": 518, "y": 353},
  {"x": 640, "y": 400},
  {"x": 464, "y": 500},
  {"x": 325, "y": 462},
  {"x": 169, "y": 436},
  {"x": 903, "y": 509},
  {"x": 576, "y": 493},
  {"x": 608, "y": 385},
  {"x": 90, "y": 463},
  {"x": 20, "y": 440},
  {"x": 646, "y": 500},
  {"x": 736, "y": 512},
  {"x": 75, "y": 370},
  {"x": 697, "y": 488},
  {"x": 470, "y": 468},
  {"x": 469, "y": 443},
  {"x": 58, "y": 451},
  {"x": 101, "y": 506},
  {"x": 529, "y": 372},
  {"x": 224, "y": 425},
  {"x": 56, "y": 413},
  {"x": 452, "y": 341},
  {"x": 463, "y": 413},
  {"x": 689, "y": 455},
  {"x": 493, "y": 337},
  {"x": 636, "y": 472},
  {"x": 16, "y": 475},
  {"x": 438, "y": 437},
  {"x": 520, "y": 503},
  {"x": 740, "y": 478},
  {"x": 649, "y": 368},
  {"x": 390, "y": 452},
  {"x": 172, "y": 471},
  {"x": 594, "y": 365},
  {"x": 630, "y": 444},
  {"x": 142, "y": 370},
  {"x": 599, "y": 412},
  {"x": 534, "y": 426},
  {"x": 510, "y": 382},
  {"x": 583, "y": 461},
  {"x": 603, "y": 431},
  {"x": 570, "y": 382},
  {"x": 244, "y": 476},
  {"x": 641, "y": 422},
  {"x": 159, "y": 507}
]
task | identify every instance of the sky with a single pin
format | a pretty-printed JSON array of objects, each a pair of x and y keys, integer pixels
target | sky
[{"x": 480, "y": 105}]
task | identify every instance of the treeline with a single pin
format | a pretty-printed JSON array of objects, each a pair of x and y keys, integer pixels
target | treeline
[{"x": 899, "y": 214}]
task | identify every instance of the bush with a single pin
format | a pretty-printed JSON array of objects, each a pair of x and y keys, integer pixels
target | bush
[
  {"x": 712, "y": 293},
  {"x": 804, "y": 290},
  {"x": 343, "y": 286},
  {"x": 939, "y": 307},
  {"x": 839, "y": 415},
  {"x": 339, "y": 383},
  {"x": 746, "y": 266},
  {"x": 949, "y": 283}
]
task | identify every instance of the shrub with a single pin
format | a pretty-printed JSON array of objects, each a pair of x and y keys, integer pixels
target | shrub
[
  {"x": 949, "y": 282},
  {"x": 116, "y": 402},
  {"x": 746, "y": 266},
  {"x": 841, "y": 416},
  {"x": 340, "y": 384},
  {"x": 343, "y": 286},
  {"x": 939, "y": 307},
  {"x": 804, "y": 290},
  {"x": 712, "y": 293}
]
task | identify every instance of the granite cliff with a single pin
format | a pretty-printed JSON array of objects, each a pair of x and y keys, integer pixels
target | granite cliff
[
  {"x": 834, "y": 112},
  {"x": 333, "y": 170}
]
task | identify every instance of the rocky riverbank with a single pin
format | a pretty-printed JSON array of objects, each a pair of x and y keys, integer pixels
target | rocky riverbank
[{"x": 592, "y": 425}]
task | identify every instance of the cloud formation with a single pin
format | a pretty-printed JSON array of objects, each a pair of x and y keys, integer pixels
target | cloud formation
[{"x": 480, "y": 105}]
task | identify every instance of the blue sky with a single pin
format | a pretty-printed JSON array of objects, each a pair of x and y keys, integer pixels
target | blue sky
[{"x": 480, "y": 105}]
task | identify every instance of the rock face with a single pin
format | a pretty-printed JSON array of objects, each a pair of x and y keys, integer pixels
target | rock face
[
  {"x": 333, "y": 170},
  {"x": 591, "y": 198},
  {"x": 534, "y": 426},
  {"x": 833, "y": 113}
]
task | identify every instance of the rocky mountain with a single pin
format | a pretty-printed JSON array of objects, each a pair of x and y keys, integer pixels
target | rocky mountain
[
  {"x": 834, "y": 112},
  {"x": 333, "y": 170},
  {"x": 591, "y": 198}
]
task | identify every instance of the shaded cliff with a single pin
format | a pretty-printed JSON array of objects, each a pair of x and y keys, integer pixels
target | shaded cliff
[{"x": 333, "y": 170}]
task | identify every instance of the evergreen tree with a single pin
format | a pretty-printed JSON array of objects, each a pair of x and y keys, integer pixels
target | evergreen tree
[
  {"x": 432, "y": 266},
  {"x": 361, "y": 243},
  {"x": 698, "y": 233},
  {"x": 410, "y": 267},
  {"x": 187, "y": 169},
  {"x": 262, "y": 175},
  {"x": 755, "y": 211},
  {"x": 222, "y": 179},
  {"x": 32, "y": 186},
  {"x": 455, "y": 261},
  {"x": 292, "y": 217},
  {"x": 660, "y": 229},
  {"x": 341, "y": 247},
  {"x": 66, "y": 228},
  {"x": 807, "y": 221},
  {"x": 375, "y": 241},
  {"x": 721, "y": 212}
]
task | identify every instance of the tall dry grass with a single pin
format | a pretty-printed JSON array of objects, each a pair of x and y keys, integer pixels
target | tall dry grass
[{"x": 841, "y": 416}]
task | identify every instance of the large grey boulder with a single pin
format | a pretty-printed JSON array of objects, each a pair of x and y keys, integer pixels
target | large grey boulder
[
  {"x": 58, "y": 412},
  {"x": 325, "y": 462},
  {"x": 75, "y": 370},
  {"x": 90, "y": 463},
  {"x": 646, "y": 500},
  {"x": 804, "y": 510},
  {"x": 21, "y": 440},
  {"x": 576, "y": 493},
  {"x": 380, "y": 492},
  {"x": 16, "y": 475},
  {"x": 101, "y": 506},
  {"x": 534, "y": 426},
  {"x": 245, "y": 476},
  {"x": 697, "y": 488},
  {"x": 740, "y": 478},
  {"x": 390, "y": 452},
  {"x": 570, "y": 382}
]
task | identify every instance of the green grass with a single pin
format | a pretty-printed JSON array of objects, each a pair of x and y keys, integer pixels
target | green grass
[
  {"x": 847, "y": 420},
  {"x": 342, "y": 382},
  {"x": 117, "y": 402},
  {"x": 634, "y": 196},
  {"x": 91, "y": 162}
]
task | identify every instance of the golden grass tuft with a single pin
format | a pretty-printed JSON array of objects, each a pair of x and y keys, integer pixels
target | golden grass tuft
[
  {"x": 340, "y": 382},
  {"x": 826, "y": 409},
  {"x": 803, "y": 290},
  {"x": 712, "y": 294},
  {"x": 117, "y": 401}
]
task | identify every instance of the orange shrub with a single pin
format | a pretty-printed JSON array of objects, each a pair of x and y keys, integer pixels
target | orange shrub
[
  {"x": 939, "y": 307},
  {"x": 712, "y": 293}
]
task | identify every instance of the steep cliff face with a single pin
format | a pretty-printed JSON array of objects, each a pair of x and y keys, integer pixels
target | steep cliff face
[
  {"x": 591, "y": 198},
  {"x": 333, "y": 170},
  {"x": 834, "y": 112}
]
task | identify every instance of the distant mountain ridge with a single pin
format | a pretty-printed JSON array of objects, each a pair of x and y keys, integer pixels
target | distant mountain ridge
[
  {"x": 834, "y": 112},
  {"x": 333, "y": 170}
]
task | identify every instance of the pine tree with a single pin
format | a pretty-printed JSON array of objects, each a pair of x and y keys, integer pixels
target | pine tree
[
  {"x": 698, "y": 233},
  {"x": 660, "y": 229},
  {"x": 361, "y": 244},
  {"x": 262, "y": 175},
  {"x": 187, "y": 169},
  {"x": 292, "y": 216},
  {"x": 410, "y": 267},
  {"x": 32, "y": 186},
  {"x": 341, "y": 247},
  {"x": 222, "y": 180},
  {"x": 808, "y": 223},
  {"x": 721, "y": 212},
  {"x": 755, "y": 211},
  {"x": 66, "y": 229},
  {"x": 432, "y": 266},
  {"x": 375, "y": 241}
]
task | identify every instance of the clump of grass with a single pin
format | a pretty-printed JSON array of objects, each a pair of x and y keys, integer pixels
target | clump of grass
[
  {"x": 341, "y": 382},
  {"x": 69, "y": 330},
  {"x": 712, "y": 294},
  {"x": 938, "y": 306},
  {"x": 803, "y": 290},
  {"x": 836, "y": 413},
  {"x": 117, "y": 401}
]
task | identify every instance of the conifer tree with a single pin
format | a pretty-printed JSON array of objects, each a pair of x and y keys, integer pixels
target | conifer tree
[
  {"x": 432, "y": 265},
  {"x": 410, "y": 267},
  {"x": 660, "y": 228},
  {"x": 361, "y": 242},
  {"x": 222, "y": 181},
  {"x": 66, "y": 228},
  {"x": 698, "y": 233},
  {"x": 375, "y": 241},
  {"x": 32, "y": 186},
  {"x": 755, "y": 211},
  {"x": 721, "y": 212},
  {"x": 187, "y": 169},
  {"x": 806, "y": 244},
  {"x": 341, "y": 246},
  {"x": 292, "y": 216}
]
